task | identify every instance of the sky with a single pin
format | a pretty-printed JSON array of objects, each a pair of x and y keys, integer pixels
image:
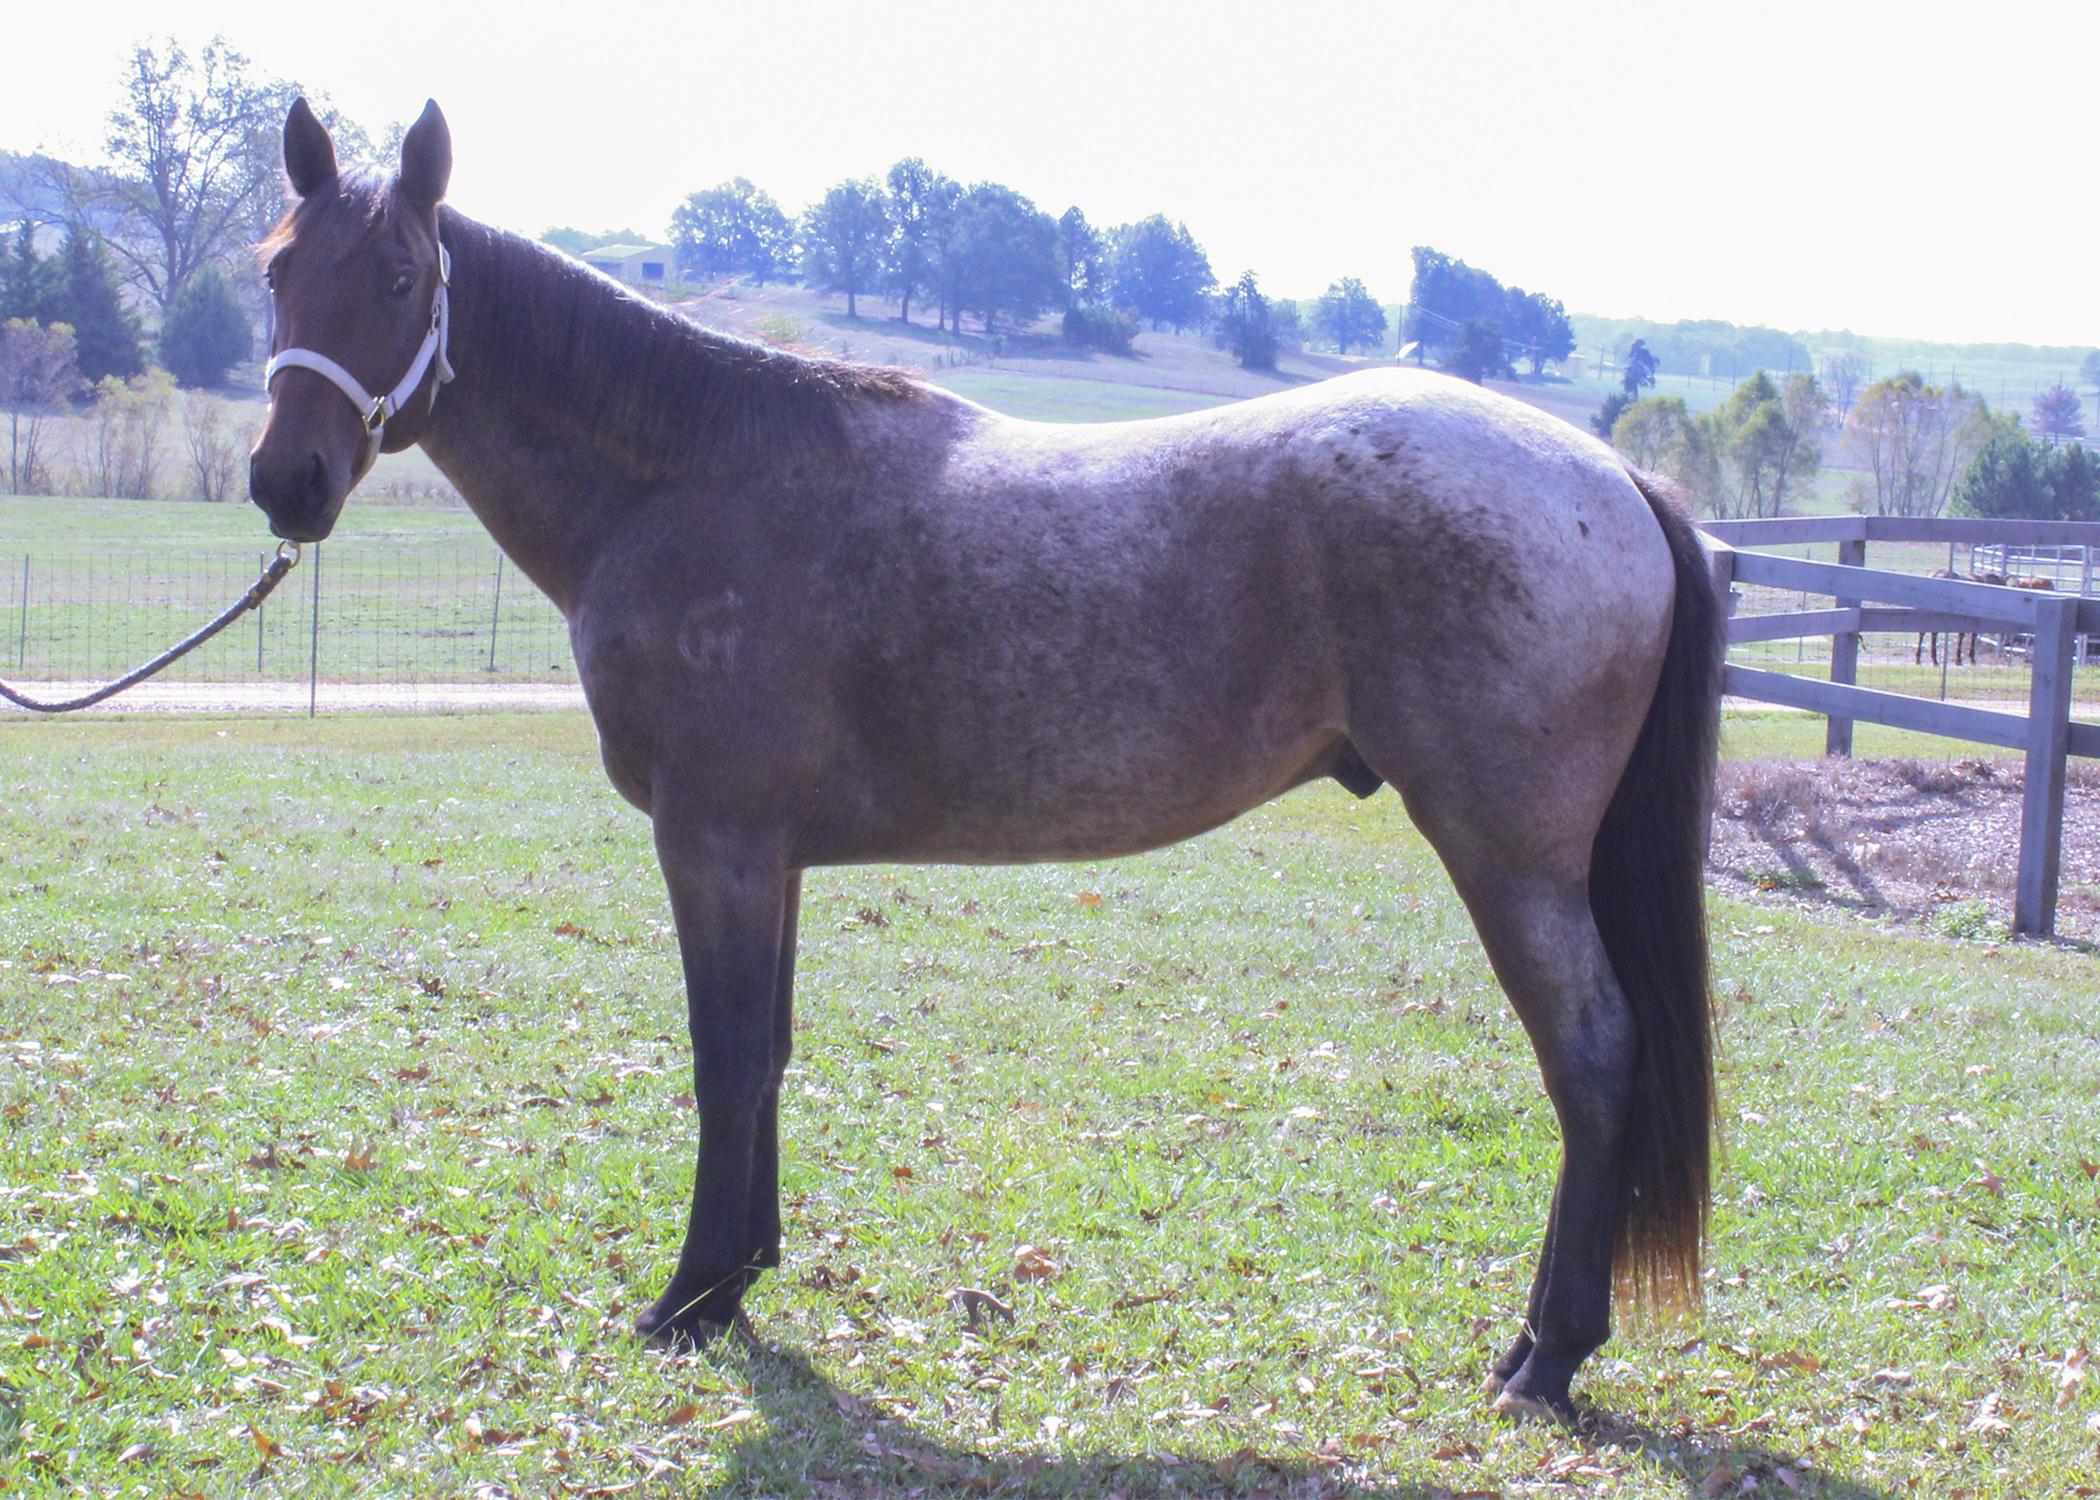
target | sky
[{"x": 1912, "y": 169}]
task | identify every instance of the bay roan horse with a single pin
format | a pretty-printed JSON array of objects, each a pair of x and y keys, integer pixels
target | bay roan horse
[{"x": 826, "y": 615}]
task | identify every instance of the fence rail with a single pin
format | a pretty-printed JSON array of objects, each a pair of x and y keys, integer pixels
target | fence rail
[
  {"x": 1868, "y": 600},
  {"x": 353, "y": 613}
]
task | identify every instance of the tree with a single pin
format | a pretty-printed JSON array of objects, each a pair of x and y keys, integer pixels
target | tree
[
  {"x": 1765, "y": 440},
  {"x": 1640, "y": 369},
  {"x": 2013, "y": 476},
  {"x": 1660, "y": 433},
  {"x": 2007, "y": 478},
  {"x": 214, "y": 452},
  {"x": 1844, "y": 376},
  {"x": 1006, "y": 255},
  {"x": 1605, "y": 421},
  {"x": 1347, "y": 314},
  {"x": 1160, "y": 272},
  {"x": 2089, "y": 369},
  {"x": 1082, "y": 260},
  {"x": 919, "y": 199},
  {"x": 206, "y": 331},
  {"x": 2058, "y": 414},
  {"x": 38, "y": 373},
  {"x": 106, "y": 332},
  {"x": 1242, "y": 325},
  {"x": 943, "y": 228},
  {"x": 1446, "y": 295},
  {"x": 733, "y": 228},
  {"x": 1651, "y": 432},
  {"x": 1480, "y": 351},
  {"x": 28, "y": 283},
  {"x": 194, "y": 143},
  {"x": 1916, "y": 441},
  {"x": 1539, "y": 325},
  {"x": 843, "y": 239}
]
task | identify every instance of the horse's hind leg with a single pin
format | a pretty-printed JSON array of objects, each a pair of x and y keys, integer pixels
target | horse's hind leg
[{"x": 1544, "y": 945}]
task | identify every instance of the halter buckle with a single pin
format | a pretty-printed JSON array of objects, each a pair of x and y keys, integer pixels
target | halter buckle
[{"x": 375, "y": 419}]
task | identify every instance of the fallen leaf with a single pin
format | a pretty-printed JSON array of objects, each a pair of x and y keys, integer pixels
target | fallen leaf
[
  {"x": 1894, "y": 1379},
  {"x": 266, "y": 1445},
  {"x": 1088, "y": 900},
  {"x": 973, "y": 1303},
  {"x": 2071, "y": 1373},
  {"x": 359, "y": 1158},
  {"x": 684, "y": 1414},
  {"x": 1032, "y": 1264},
  {"x": 1791, "y": 1359},
  {"x": 1987, "y": 1419}
]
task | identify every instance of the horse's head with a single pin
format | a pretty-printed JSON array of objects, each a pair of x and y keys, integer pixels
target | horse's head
[{"x": 358, "y": 280}]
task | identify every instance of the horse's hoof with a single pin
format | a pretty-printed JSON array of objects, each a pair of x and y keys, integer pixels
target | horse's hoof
[
  {"x": 690, "y": 1333},
  {"x": 1527, "y": 1408}
]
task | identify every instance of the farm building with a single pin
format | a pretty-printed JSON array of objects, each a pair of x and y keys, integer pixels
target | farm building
[{"x": 637, "y": 265}]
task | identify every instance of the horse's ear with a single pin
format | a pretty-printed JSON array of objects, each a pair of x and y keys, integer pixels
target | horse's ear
[
  {"x": 309, "y": 155},
  {"x": 426, "y": 157}
]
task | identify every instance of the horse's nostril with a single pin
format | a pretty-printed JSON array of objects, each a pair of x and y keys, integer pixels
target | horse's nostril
[{"x": 316, "y": 479}]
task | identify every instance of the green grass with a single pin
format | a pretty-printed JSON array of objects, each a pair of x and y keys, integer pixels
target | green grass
[
  {"x": 345, "y": 1126},
  {"x": 407, "y": 594}
]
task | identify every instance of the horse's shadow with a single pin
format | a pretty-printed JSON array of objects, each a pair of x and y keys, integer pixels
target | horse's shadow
[{"x": 818, "y": 1440}]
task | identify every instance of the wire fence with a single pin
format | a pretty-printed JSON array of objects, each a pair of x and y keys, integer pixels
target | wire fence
[{"x": 367, "y": 614}]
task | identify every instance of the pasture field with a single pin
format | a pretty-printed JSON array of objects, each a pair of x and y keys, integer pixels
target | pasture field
[
  {"x": 346, "y": 1124},
  {"x": 408, "y": 593}
]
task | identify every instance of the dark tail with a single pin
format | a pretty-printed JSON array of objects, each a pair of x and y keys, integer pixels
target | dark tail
[{"x": 1647, "y": 893}]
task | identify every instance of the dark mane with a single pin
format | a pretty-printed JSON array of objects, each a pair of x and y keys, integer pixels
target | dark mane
[{"x": 655, "y": 392}]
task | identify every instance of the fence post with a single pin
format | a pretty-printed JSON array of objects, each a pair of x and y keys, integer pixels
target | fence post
[
  {"x": 1844, "y": 652},
  {"x": 496, "y": 612},
  {"x": 313, "y": 658},
  {"x": 262, "y": 560},
  {"x": 2048, "y": 741},
  {"x": 22, "y": 638}
]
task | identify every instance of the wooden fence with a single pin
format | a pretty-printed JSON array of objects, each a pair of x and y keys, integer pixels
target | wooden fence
[{"x": 1865, "y": 601}]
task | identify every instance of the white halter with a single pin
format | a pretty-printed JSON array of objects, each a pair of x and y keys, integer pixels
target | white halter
[{"x": 376, "y": 411}]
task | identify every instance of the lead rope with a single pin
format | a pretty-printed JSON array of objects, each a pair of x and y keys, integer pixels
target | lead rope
[{"x": 286, "y": 559}]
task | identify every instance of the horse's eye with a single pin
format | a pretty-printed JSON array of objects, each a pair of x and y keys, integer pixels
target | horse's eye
[{"x": 403, "y": 284}]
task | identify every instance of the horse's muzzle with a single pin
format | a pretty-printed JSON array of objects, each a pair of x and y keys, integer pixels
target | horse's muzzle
[{"x": 296, "y": 492}]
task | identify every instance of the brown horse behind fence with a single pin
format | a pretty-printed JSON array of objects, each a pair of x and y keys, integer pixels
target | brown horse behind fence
[{"x": 825, "y": 615}]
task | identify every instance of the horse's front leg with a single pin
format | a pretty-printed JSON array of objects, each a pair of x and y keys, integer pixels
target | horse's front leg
[{"x": 729, "y": 898}]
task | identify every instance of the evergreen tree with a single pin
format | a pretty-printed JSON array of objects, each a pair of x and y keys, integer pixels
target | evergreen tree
[
  {"x": 1242, "y": 325},
  {"x": 1640, "y": 370},
  {"x": 206, "y": 331},
  {"x": 105, "y": 331},
  {"x": 27, "y": 282}
]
